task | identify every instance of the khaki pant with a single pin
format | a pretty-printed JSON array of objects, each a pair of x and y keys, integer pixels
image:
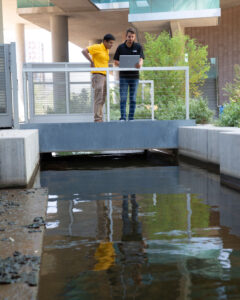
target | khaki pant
[{"x": 99, "y": 86}]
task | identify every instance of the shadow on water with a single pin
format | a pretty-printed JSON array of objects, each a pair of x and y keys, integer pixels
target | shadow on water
[{"x": 138, "y": 228}]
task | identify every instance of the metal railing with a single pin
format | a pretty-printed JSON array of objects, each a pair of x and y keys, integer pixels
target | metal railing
[
  {"x": 9, "y": 114},
  {"x": 62, "y": 92}
]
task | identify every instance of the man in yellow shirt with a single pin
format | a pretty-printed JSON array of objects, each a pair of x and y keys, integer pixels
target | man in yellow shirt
[{"x": 98, "y": 55}]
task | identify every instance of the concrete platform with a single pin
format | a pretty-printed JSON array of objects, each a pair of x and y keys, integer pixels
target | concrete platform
[
  {"x": 19, "y": 157},
  {"x": 115, "y": 135}
]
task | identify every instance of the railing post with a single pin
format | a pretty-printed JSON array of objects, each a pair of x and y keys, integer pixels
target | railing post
[
  {"x": 25, "y": 97},
  {"x": 14, "y": 84},
  {"x": 67, "y": 78},
  {"x": 152, "y": 98},
  {"x": 187, "y": 92},
  {"x": 31, "y": 96},
  {"x": 108, "y": 96},
  {"x": 143, "y": 87}
]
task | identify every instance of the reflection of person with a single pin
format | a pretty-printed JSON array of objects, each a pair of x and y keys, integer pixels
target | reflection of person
[
  {"x": 98, "y": 55},
  {"x": 129, "y": 79},
  {"x": 105, "y": 256},
  {"x": 132, "y": 229},
  {"x": 132, "y": 245}
]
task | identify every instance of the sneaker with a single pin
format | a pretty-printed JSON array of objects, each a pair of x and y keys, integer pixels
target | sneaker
[{"x": 122, "y": 120}]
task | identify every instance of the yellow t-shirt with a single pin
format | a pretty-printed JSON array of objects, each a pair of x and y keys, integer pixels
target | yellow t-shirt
[{"x": 100, "y": 56}]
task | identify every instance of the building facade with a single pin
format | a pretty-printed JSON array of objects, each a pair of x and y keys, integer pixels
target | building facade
[{"x": 211, "y": 22}]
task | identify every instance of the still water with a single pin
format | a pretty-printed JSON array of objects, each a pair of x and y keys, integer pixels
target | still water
[{"x": 137, "y": 228}]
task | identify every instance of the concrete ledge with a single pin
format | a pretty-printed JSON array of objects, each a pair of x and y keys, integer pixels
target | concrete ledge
[
  {"x": 19, "y": 157},
  {"x": 229, "y": 146},
  {"x": 214, "y": 142},
  {"x": 193, "y": 142},
  {"x": 115, "y": 135},
  {"x": 216, "y": 146},
  {"x": 202, "y": 142}
]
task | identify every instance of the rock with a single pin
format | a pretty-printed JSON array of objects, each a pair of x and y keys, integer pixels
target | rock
[
  {"x": 11, "y": 269},
  {"x": 32, "y": 279}
]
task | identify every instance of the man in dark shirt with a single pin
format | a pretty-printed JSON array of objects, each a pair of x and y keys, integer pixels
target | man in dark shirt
[{"x": 129, "y": 79}]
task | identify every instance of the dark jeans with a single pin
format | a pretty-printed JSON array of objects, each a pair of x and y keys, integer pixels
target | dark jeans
[{"x": 124, "y": 84}]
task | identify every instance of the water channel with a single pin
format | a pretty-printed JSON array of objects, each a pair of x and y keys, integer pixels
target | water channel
[{"x": 137, "y": 227}]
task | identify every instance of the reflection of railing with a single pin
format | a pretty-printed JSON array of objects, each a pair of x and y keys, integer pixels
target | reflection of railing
[
  {"x": 62, "y": 92},
  {"x": 151, "y": 6},
  {"x": 33, "y": 3}
]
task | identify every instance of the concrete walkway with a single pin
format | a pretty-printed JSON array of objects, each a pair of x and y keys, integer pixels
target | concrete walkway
[{"x": 21, "y": 242}]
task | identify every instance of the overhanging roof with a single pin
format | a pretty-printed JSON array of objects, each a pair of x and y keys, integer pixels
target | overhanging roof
[{"x": 87, "y": 22}]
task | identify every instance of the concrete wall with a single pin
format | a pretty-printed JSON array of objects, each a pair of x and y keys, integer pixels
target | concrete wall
[
  {"x": 116, "y": 135},
  {"x": 215, "y": 145},
  {"x": 230, "y": 154},
  {"x": 19, "y": 157},
  {"x": 203, "y": 142}
]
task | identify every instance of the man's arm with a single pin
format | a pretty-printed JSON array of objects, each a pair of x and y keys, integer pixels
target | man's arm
[
  {"x": 85, "y": 52},
  {"x": 140, "y": 63},
  {"x": 116, "y": 57}
]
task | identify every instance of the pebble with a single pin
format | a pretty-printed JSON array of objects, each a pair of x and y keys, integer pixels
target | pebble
[
  {"x": 11, "y": 269},
  {"x": 37, "y": 222}
]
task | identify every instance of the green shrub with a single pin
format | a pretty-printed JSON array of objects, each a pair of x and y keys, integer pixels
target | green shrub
[
  {"x": 200, "y": 111},
  {"x": 230, "y": 116},
  {"x": 173, "y": 110},
  {"x": 164, "y": 50},
  {"x": 231, "y": 113},
  {"x": 232, "y": 90}
]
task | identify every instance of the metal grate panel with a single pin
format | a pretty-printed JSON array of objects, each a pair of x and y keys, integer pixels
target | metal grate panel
[{"x": 3, "y": 102}]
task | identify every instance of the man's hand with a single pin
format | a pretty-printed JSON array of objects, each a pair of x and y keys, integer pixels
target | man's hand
[
  {"x": 85, "y": 52},
  {"x": 139, "y": 64}
]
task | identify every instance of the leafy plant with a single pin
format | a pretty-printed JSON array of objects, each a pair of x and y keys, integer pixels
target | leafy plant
[
  {"x": 198, "y": 110},
  {"x": 230, "y": 116},
  {"x": 231, "y": 112},
  {"x": 232, "y": 90},
  {"x": 163, "y": 50}
]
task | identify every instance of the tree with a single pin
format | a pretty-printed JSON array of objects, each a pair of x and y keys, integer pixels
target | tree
[
  {"x": 233, "y": 89},
  {"x": 179, "y": 50}
]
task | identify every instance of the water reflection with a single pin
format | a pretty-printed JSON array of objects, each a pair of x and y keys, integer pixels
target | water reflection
[
  {"x": 132, "y": 228},
  {"x": 140, "y": 233},
  {"x": 132, "y": 247}
]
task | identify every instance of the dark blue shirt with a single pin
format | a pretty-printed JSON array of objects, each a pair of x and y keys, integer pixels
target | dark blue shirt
[{"x": 123, "y": 49}]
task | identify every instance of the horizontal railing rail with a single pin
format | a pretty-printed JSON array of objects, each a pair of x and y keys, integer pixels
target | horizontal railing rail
[{"x": 58, "y": 77}]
